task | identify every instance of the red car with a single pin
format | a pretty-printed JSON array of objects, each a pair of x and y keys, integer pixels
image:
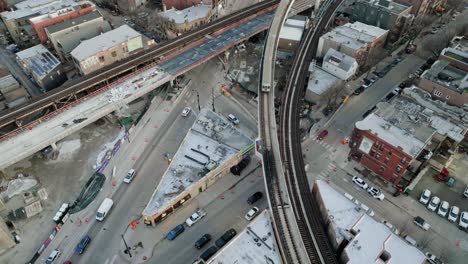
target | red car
[{"x": 323, "y": 134}]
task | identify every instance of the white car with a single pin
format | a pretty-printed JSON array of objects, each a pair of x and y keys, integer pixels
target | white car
[
  {"x": 443, "y": 208},
  {"x": 130, "y": 175},
  {"x": 463, "y": 224},
  {"x": 195, "y": 217},
  {"x": 432, "y": 259},
  {"x": 233, "y": 119},
  {"x": 53, "y": 256},
  {"x": 376, "y": 193},
  {"x": 360, "y": 182},
  {"x": 186, "y": 111},
  {"x": 453, "y": 214},
  {"x": 251, "y": 213},
  {"x": 433, "y": 204},
  {"x": 425, "y": 196}
]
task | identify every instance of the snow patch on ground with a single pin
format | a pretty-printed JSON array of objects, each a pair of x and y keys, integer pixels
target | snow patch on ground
[
  {"x": 19, "y": 185},
  {"x": 66, "y": 150},
  {"x": 108, "y": 147}
]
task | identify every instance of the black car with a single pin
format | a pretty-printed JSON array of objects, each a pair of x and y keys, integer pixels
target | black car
[
  {"x": 208, "y": 253},
  {"x": 359, "y": 90},
  {"x": 202, "y": 241},
  {"x": 228, "y": 235},
  {"x": 255, "y": 197}
]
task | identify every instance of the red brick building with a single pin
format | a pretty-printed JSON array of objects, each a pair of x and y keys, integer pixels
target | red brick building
[
  {"x": 39, "y": 23},
  {"x": 383, "y": 148}
]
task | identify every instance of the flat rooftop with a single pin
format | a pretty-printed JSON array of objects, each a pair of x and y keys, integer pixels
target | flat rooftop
[
  {"x": 74, "y": 22},
  {"x": 391, "y": 134},
  {"x": 321, "y": 81},
  {"x": 355, "y": 35},
  {"x": 392, "y": 7},
  {"x": 448, "y": 76},
  {"x": 254, "y": 245},
  {"x": 211, "y": 141},
  {"x": 186, "y": 15},
  {"x": 103, "y": 42},
  {"x": 456, "y": 54},
  {"x": 459, "y": 43},
  {"x": 339, "y": 59},
  {"x": 38, "y": 59},
  {"x": 373, "y": 237},
  {"x": 39, "y": 7},
  {"x": 293, "y": 29}
]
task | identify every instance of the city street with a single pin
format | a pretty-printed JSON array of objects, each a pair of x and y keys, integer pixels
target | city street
[{"x": 130, "y": 200}]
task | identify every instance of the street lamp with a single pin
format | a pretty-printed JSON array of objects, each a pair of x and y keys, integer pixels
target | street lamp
[
  {"x": 212, "y": 99},
  {"x": 198, "y": 99},
  {"x": 127, "y": 249}
]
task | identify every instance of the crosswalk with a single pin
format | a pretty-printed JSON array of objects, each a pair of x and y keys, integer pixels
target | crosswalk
[
  {"x": 325, "y": 174},
  {"x": 324, "y": 144}
]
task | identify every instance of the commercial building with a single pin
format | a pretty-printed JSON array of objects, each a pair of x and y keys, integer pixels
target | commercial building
[
  {"x": 189, "y": 18},
  {"x": 358, "y": 237},
  {"x": 39, "y": 63},
  {"x": 385, "y": 14},
  {"x": 18, "y": 21},
  {"x": 455, "y": 57},
  {"x": 291, "y": 33},
  {"x": 252, "y": 245},
  {"x": 446, "y": 82},
  {"x": 358, "y": 40},
  {"x": 105, "y": 49},
  {"x": 399, "y": 135},
  {"x": 339, "y": 64},
  {"x": 212, "y": 146},
  {"x": 11, "y": 93},
  {"x": 67, "y": 35},
  {"x": 39, "y": 22}
]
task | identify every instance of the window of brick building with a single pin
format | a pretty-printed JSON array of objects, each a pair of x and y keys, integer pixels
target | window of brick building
[
  {"x": 398, "y": 169},
  {"x": 114, "y": 54},
  {"x": 382, "y": 147},
  {"x": 390, "y": 152},
  {"x": 377, "y": 156},
  {"x": 372, "y": 153},
  {"x": 382, "y": 169},
  {"x": 437, "y": 93},
  {"x": 386, "y": 160},
  {"x": 101, "y": 58},
  {"x": 403, "y": 160}
]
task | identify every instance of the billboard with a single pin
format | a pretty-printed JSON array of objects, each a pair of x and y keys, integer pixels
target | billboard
[
  {"x": 366, "y": 145},
  {"x": 134, "y": 44}
]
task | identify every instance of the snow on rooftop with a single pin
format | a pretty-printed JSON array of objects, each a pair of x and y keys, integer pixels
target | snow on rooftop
[
  {"x": 211, "y": 141},
  {"x": 104, "y": 41},
  {"x": 445, "y": 127},
  {"x": 373, "y": 237},
  {"x": 188, "y": 14},
  {"x": 391, "y": 134},
  {"x": 292, "y": 29},
  {"x": 38, "y": 59},
  {"x": 340, "y": 59},
  {"x": 254, "y": 245},
  {"x": 355, "y": 35},
  {"x": 31, "y": 7},
  {"x": 321, "y": 81}
]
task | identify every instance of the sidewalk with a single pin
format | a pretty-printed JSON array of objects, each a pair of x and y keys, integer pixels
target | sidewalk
[
  {"x": 79, "y": 223},
  {"x": 143, "y": 239}
]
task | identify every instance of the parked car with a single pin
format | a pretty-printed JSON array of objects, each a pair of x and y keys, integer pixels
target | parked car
[
  {"x": 251, "y": 213},
  {"x": 443, "y": 208},
  {"x": 360, "y": 182},
  {"x": 419, "y": 221},
  {"x": 195, "y": 217},
  {"x": 463, "y": 223},
  {"x": 425, "y": 197},
  {"x": 202, "y": 241},
  {"x": 432, "y": 259},
  {"x": 391, "y": 227},
  {"x": 53, "y": 256},
  {"x": 453, "y": 214},
  {"x": 130, "y": 175},
  {"x": 80, "y": 248},
  {"x": 465, "y": 193},
  {"x": 205, "y": 256},
  {"x": 254, "y": 197},
  {"x": 359, "y": 90},
  {"x": 433, "y": 204},
  {"x": 226, "y": 237},
  {"x": 175, "y": 232},
  {"x": 376, "y": 193},
  {"x": 233, "y": 119},
  {"x": 186, "y": 111},
  {"x": 322, "y": 135}
]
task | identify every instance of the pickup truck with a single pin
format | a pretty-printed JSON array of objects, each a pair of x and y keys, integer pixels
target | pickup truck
[
  {"x": 195, "y": 217},
  {"x": 419, "y": 221}
]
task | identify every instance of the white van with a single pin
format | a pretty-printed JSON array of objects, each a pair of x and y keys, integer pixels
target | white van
[
  {"x": 233, "y": 119},
  {"x": 104, "y": 209}
]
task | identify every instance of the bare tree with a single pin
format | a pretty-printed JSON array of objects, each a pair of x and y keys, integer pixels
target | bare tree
[{"x": 331, "y": 95}]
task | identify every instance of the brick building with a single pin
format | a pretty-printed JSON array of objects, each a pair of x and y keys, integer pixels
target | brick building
[
  {"x": 39, "y": 23},
  {"x": 189, "y": 18},
  {"x": 182, "y": 4},
  {"x": 398, "y": 135},
  {"x": 358, "y": 40}
]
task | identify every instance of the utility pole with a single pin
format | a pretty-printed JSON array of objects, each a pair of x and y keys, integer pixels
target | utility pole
[
  {"x": 126, "y": 246},
  {"x": 198, "y": 101},
  {"x": 212, "y": 99}
]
